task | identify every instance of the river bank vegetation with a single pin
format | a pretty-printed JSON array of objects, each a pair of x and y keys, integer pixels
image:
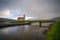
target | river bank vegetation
[{"x": 54, "y": 32}]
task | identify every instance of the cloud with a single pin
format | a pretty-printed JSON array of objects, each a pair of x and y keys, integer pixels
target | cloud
[
  {"x": 29, "y": 18},
  {"x": 5, "y": 13},
  {"x": 38, "y": 9}
]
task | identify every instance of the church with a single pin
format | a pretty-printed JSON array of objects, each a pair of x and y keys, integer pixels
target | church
[{"x": 21, "y": 18}]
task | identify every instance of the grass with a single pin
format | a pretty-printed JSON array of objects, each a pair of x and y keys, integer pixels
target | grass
[{"x": 54, "y": 32}]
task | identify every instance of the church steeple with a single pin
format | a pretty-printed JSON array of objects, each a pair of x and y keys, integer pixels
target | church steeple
[{"x": 24, "y": 16}]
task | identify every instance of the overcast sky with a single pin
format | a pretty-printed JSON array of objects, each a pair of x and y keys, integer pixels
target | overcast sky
[{"x": 33, "y": 9}]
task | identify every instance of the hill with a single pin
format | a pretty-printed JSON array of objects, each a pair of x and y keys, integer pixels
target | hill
[
  {"x": 56, "y": 19},
  {"x": 2, "y": 20}
]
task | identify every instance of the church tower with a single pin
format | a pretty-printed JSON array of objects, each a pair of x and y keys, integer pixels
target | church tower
[{"x": 24, "y": 16}]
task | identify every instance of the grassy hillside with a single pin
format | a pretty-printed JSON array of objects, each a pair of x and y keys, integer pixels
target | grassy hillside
[
  {"x": 2, "y": 20},
  {"x": 56, "y": 18},
  {"x": 54, "y": 32}
]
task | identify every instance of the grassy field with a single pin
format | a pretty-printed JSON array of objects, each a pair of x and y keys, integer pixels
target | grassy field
[{"x": 54, "y": 32}]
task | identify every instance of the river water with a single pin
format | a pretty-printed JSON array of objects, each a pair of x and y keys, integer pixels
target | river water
[{"x": 24, "y": 32}]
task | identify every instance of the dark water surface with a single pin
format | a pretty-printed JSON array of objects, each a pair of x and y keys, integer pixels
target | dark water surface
[{"x": 24, "y": 32}]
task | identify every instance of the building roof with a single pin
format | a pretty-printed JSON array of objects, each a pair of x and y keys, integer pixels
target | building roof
[{"x": 20, "y": 17}]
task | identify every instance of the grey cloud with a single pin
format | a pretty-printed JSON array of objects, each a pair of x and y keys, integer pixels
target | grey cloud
[{"x": 40, "y": 9}]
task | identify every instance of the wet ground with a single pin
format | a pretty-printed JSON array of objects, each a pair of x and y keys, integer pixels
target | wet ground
[{"x": 25, "y": 32}]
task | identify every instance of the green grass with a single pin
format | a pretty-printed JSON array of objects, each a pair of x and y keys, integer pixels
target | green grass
[{"x": 54, "y": 32}]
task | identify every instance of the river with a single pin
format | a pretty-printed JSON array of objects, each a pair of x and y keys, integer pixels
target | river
[{"x": 24, "y": 32}]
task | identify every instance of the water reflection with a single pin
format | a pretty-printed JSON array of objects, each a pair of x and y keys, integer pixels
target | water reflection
[
  {"x": 9, "y": 30},
  {"x": 26, "y": 28},
  {"x": 22, "y": 32},
  {"x": 15, "y": 29}
]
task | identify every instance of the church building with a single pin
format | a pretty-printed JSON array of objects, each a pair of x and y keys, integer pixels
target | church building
[{"x": 21, "y": 18}]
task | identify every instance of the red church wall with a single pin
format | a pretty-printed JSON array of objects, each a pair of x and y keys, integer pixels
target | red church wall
[{"x": 21, "y": 18}]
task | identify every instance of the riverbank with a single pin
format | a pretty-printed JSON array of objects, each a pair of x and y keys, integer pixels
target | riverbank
[
  {"x": 54, "y": 32},
  {"x": 3, "y": 25}
]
